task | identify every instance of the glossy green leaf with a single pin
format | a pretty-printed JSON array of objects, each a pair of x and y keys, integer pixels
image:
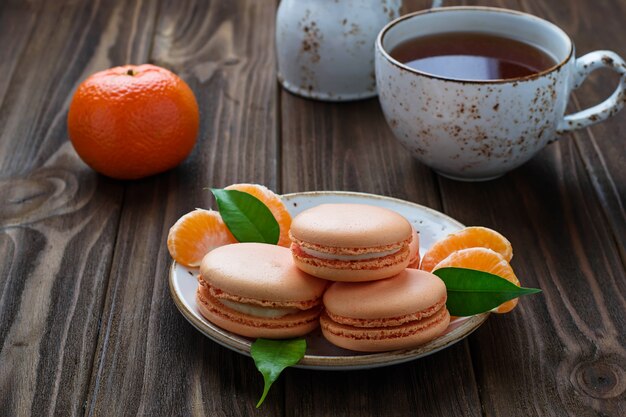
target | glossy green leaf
[
  {"x": 271, "y": 357},
  {"x": 473, "y": 292},
  {"x": 247, "y": 218}
]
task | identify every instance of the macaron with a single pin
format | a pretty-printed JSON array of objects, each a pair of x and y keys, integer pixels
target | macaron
[
  {"x": 255, "y": 290},
  {"x": 351, "y": 242},
  {"x": 414, "y": 251},
  {"x": 401, "y": 312}
]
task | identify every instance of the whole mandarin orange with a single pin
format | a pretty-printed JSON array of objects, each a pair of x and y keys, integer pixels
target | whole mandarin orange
[{"x": 133, "y": 121}]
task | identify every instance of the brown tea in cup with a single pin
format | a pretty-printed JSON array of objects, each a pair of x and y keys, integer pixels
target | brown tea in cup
[
  {"x": 476, "y": 127},
  {"x": 472, "y": 56}
]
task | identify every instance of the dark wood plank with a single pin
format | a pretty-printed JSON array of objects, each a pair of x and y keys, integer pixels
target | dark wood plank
[
  {"x": 513, "y": 354},
  {"x": 17, "y": 22},
  {"x": 348, "y": 146},
  {"x": 561, "y": 350},
  {"x": 597, "y": 26},
  {"x": 150, "y": 360},
  {"x": 440, "y": 385},
  {"x": 58, "y": 219},
  {"x": 559, "y": 353}
]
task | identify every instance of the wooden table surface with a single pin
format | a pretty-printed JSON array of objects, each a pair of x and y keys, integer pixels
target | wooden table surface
[{"x": 87, "y": 325}]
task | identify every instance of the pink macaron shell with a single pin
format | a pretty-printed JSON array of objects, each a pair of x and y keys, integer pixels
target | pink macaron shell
[
  {"x": 350, "y": 225},
  {"x": 408, "y": 292},
  {"x": 394, "y": 313},
  {"x": 261, "y": 272}
]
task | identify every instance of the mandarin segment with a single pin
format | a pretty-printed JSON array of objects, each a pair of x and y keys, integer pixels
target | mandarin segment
[
  {"x": 485, "y": 260},
  {"x": 414, "y": 249},
  {"x": 195, "y": 234},
  {"x": 274, "y": 203},
  {"x": 469, "y": 237}
]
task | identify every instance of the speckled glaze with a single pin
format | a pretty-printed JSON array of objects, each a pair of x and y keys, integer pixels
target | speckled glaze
[
  {"x": 320, "y": 354},
  {"x": 325, "y": 48},
  {"x": 479, "y": 130}
]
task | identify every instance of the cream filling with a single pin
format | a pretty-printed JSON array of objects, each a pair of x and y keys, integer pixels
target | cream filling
[
  {"x": 258, "y": 311},
  {"x": 333, "y": 257}
]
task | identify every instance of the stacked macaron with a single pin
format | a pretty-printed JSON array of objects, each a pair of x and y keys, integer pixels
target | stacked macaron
[
  {"x": 255, "y": 290},
  {"x": 377, "y": 304},
  {"x": 374, "y": 304},
  {"x": 404, "y": 311},
  {"x": 351, "y": 242}
]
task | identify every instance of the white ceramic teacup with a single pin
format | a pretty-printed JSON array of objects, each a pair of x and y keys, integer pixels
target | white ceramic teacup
[{"x": 479, "y": 130}]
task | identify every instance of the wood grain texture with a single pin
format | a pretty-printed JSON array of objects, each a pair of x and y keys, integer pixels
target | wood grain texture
[
  {"x": 149, "y": 359},
  {"x": 519, "y": 362},
  {"x": 87, "y": 325},
  {"x": 58, "y": 218},
  {"x": 441, "y": 385},
  {"x": 591, "y": 26},
  {"x": 16, "y": 26},
  {"x": 560, "y": 353},
  {"x": 348, "y": 146}
]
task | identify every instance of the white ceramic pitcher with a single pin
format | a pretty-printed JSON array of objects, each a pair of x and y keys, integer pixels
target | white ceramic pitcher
[{"x": 325, "y": 48}]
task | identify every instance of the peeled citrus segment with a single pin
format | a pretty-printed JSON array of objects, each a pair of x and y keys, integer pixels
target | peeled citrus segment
[
  {"x": 486, "y": 260},
  {"x": 470, "y": 237},
  {"x": 195, "y": 234},
  {"x": 274, "y": 203}
]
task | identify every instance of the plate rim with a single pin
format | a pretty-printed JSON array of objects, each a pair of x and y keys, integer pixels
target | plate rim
[{"x": 361, "y": 361}]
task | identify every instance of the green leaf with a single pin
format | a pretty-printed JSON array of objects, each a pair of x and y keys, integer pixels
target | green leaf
[
  {"x": 271, "y": 357},
  {"x": 473, "y": 292},
  {"x": 247, "y": 218}
]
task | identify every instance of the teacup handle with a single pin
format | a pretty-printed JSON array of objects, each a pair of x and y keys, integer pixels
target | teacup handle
[{"x": 585, "y": 65}]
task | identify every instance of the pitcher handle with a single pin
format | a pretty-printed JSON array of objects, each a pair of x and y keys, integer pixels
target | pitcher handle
[{"x": 585, "y": 65}]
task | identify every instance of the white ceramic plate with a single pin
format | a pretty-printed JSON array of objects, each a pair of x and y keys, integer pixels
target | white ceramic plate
[{"x": 431, "y": 225}]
